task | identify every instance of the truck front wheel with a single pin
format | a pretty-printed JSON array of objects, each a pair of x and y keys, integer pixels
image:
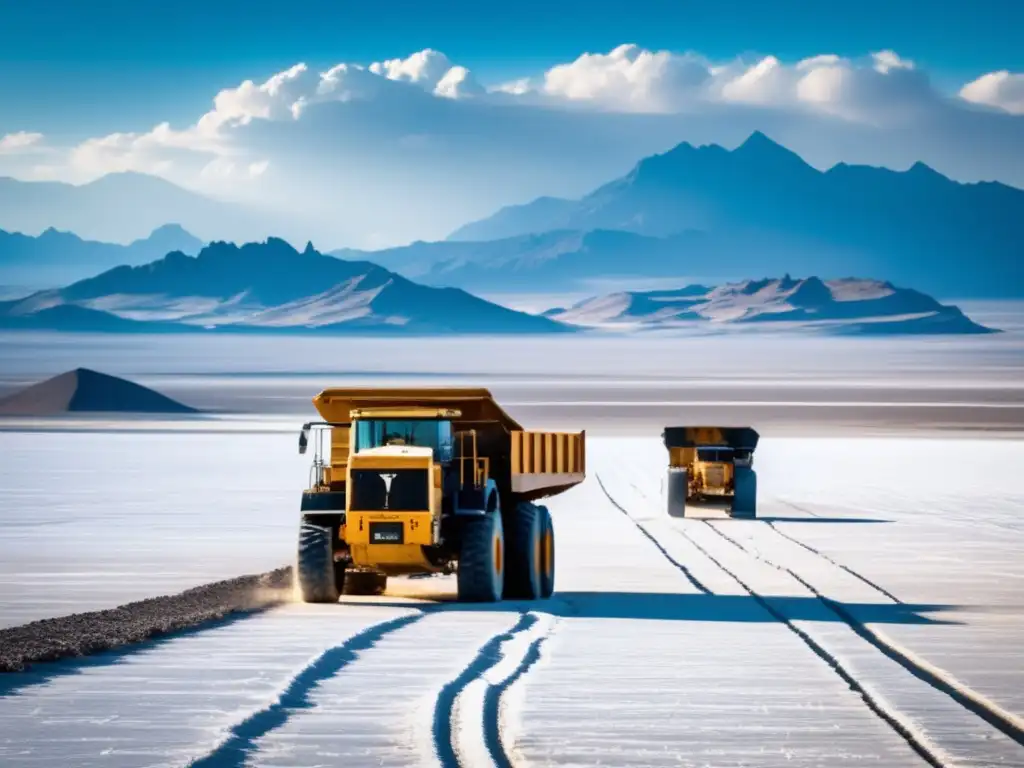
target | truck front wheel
[{"x": 316, "y": 572}]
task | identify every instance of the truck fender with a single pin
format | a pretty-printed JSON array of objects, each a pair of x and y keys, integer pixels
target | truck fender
[
  {"x": 322, "y": 501},
  {"x": 478, "y": 501}
]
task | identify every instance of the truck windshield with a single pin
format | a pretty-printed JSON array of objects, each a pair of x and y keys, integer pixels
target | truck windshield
[
  {"x": 715, "y": 454},
  {"x": 427, "y": 433}
]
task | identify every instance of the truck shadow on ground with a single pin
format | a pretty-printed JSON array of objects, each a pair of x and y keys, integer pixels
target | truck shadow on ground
[
  {"x": 622, "y": 606},
  {"x": 784, "y": 519},
  {"x": 694, "y": 607}
]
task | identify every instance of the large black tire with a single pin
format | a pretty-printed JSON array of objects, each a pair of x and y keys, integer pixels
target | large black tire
[
  {"x": 744, "y": 500},
  {"x": 318, "y": 577},
  {"x": 481, "y": 573},
  {"x": 524, "y": 553},
  {"x": 676, "y": 490},
  {"x": 547, "y": 548}
]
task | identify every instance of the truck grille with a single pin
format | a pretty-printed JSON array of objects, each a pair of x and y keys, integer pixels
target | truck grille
[
  {"x": 714, "y": 475},
  {"x": 398, "y": 490},
  {"x": 387, "y": 533}
]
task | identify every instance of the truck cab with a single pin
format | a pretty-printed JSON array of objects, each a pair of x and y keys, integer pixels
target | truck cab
[
  {"x": 400, "y": 465},
  {"x": 712, "y": 472}
]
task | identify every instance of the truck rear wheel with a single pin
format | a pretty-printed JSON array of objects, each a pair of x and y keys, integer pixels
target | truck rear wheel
[
  {"x": 547, "y": 567},
  {"x": 744, "y": 500},
  {"x": 677, "y": 491},
  {"x": 481, "y": 573},
  {"x": 525, "y": 553},
  {"x": 317, "y": 575}
]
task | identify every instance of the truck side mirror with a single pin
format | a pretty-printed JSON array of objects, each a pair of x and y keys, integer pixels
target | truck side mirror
[{"x": 303, "y": 439}]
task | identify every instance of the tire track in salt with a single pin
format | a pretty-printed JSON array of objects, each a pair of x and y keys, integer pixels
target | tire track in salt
[
  {"x": 799, "y": 508},
  {"x": 892, "y": 719},
  {"x": 499, "y": 751},
  {"x": 697, "y": 584},
  {"x": 451, "y": 713},
  {"x": 1005, "y": 722},
  {"x": 241, "y": 740},
  {"x": 860, "y": 577}
]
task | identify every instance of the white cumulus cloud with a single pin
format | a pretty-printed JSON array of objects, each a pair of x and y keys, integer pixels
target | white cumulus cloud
[
  {"x": 629, "y": 78},
  {"x": 633, "y": 79},
  {"x": 1003, "y": 89},
  {"x": 284, "y": 96},
  {"x": 427, "y": 66},
  {"x": 457, "y": 83},
  {"x": 280, "y": 96},
  {"x": 222, "y": 169},
  {"x": 342, "y": 83},
  {"x": 432, "y": 71},
  {"x": 887, "y": 61},
  {"x": 768, "y": 82},
  {"x": 21, "y": 142},
  {"x": 822, "y": 60},
  {"x": 158, "y": 152},
  {"x": 415, "y": 146},
  {"x": 515, "y": 87}
]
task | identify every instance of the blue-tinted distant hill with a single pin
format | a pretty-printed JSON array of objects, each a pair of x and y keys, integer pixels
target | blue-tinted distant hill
[
  {"x": 847, "y": 306},
  {"x": 264, "y": 287},
  {"x": 558, "y": 258},
  {"x": 121, "y": 207},
  {"x": 56, "y": 258},
  {"x": 761, "y": 208}
]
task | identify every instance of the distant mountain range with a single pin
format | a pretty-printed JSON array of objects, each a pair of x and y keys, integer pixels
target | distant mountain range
[
  {"x": 849, "y": 306},
  {"x": 121, "y": 207},
  {"x": 555, "y": 260},
  {"x": 56, "y": 258},
  {"x": 263, "y": 287},
  {"x": 271, "y": 287},
  {"x": 761, "y": 207},
  {"x": 691, "y": 215}
]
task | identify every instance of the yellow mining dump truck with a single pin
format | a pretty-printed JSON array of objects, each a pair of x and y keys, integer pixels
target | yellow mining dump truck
[
  {"x": 711, "y": 464},
  {"x": 419, "y": 481}
]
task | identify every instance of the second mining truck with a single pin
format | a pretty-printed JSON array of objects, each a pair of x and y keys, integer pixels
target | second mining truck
[
  {"x": 417, "y": 481},
  {"x": 712, "y": 463}
]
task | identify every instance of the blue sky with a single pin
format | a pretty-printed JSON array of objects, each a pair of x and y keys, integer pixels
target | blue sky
[
  {"x": 124, "y": 64},
  {"x": 377, "y": 141}
]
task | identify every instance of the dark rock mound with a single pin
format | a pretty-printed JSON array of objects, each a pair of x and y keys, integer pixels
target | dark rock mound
[
  {"x": 82, "y": 634},
  {"x": 83, "y": 391}
]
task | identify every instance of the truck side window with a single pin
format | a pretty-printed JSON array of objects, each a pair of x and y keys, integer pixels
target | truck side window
[
  {"x": 445, "y": 446},
  {"x": 368, "y": 434}
]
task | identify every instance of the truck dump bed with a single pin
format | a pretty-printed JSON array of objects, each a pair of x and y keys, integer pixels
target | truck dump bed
[
  {"x": 683, "y": 442},
  {"x": 546, "y": 463},
  {"x": 476, "y": 404},
  {"x": 528, "y": 464},
  {"x": 743, "y": 438}
]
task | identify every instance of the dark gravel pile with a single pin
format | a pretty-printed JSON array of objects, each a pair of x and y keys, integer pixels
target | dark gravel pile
[{"x": 82, "y": 634}]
